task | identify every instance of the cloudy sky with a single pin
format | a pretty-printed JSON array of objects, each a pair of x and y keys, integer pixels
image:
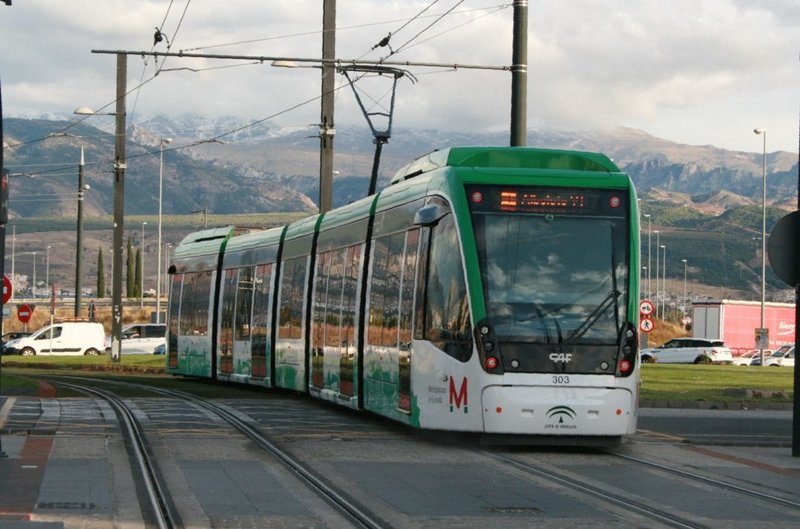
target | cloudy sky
[{"x": 692, "y": 71}]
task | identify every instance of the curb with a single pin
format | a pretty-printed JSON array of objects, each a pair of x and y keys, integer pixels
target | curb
[{"x": 714, "y": 405}]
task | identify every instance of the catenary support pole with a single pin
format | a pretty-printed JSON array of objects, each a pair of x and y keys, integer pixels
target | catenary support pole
[
  {"x": 326, "y": 126},
  {"x": 119, "y": 210},
  {"x": 519, "y": 75}
]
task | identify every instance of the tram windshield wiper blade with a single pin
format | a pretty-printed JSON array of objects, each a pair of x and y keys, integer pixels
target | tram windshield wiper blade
[{"x": 594, "y": 316}]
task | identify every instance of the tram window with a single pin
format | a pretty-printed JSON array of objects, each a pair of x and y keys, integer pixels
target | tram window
[
  {"x": 244, "y": 303},
  {"x": 194, "y": 304},
  {"x": 226, "y": 316},
  {"x": 292, "y": 291},
  {"x": 174, "y": 317},
  {"x": 261, "y": 313},
  {"x": 446, "y": 321},
  {"x": 391, "y": 293}
]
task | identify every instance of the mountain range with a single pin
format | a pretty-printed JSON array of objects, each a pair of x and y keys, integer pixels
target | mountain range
[{"x": 703, "y": 202}]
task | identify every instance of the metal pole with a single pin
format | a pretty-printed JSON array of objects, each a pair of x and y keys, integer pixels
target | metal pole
[
  {"x": 141, "y": 269},
  {"x": 763, "y": 132},
  {"x": 160, "y": 202},
  {"x": 47, "y": 269},
  {"x": 326, "y": 126},
  {"x": 649, "y": 265},
  {"x": 796, "y": 404},
  {"x": 685, "y": 298},
  {"x": 664, "y": 282},
  {"x": 79, "y": 240},
  {"x": 658, "y": 266},
  {"x": 3, "y": 221},
  {"x": 13, "y": 258},
  {"x": 119, "y": 210},
  {"x": 519, "y": 75}
]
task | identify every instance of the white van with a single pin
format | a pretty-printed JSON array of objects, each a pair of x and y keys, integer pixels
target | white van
[{"x": 62, "y": 338}]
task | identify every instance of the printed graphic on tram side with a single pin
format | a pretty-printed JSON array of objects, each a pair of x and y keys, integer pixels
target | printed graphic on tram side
[{"x": 458, "y": 397}]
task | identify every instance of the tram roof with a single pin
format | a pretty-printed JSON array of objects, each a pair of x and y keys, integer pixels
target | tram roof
[{"x": 507, "y": 158}]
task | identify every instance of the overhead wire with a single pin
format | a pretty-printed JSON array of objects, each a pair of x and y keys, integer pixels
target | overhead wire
[{"x": 406, "y": 45}]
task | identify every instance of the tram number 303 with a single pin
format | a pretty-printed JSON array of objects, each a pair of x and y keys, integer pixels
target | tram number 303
[{"x": 560, "y": 379}]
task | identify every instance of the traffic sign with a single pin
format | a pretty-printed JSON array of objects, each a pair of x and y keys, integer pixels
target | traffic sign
[
  {"x": 24, "y": 312},
  {"x": 6, "y": 289},
  {"x": 646, "y": 307},
  {"x": 646, "y": 325},
  {"x": 762, "y": 338}
]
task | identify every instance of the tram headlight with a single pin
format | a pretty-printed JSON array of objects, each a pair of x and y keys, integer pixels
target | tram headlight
[
  {"x": 628, "y": 350},
  {"x": 488, "y": 349}
]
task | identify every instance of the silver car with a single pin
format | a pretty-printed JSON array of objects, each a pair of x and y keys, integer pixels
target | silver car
[{"x": 141, "y": 338}]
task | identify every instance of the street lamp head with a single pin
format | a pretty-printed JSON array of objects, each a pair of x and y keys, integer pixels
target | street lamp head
[
  {"x": 86, "y": 111},
  {"x": 166, "y": 141},
  {"x": 760, "y": 131}
]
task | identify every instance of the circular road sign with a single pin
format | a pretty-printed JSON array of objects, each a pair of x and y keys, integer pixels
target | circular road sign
[
  {"x": 6, "y": 289},
  {"x": 24, "y": 313},
  {"x": 646, "y": 307},
  {"x": 646, "y": 325},
  {"x": 782, "y": 248}
]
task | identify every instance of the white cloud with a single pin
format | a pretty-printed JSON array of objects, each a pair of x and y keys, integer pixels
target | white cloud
[{"x": 694, "y": 71}]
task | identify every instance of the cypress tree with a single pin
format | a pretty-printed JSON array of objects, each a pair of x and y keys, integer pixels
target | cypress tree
[
  {"x": 129, "y": 271},
  {"x": 101, "y": 275},
  {"x": 137, "y": 283}
]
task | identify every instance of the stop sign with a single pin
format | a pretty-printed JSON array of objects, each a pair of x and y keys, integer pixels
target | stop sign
[{"x": 24, "y": 313}]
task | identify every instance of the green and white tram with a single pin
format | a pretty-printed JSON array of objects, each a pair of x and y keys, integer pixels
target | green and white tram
[{"x": 486, "y": 289}]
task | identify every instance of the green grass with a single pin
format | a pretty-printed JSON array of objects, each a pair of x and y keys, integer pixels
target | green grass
[
  {"x": 659, "y": 381},
  {"x": 709, "y": 382}
]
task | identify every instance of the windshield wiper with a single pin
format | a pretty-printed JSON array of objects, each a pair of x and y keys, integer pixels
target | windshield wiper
[{"x": 591, "y": 319}]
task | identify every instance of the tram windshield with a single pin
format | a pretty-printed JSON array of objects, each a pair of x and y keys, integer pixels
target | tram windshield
[{"x": 554, "y": 266}]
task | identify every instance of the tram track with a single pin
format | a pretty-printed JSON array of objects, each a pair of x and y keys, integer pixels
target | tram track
[
  {"x": 785, "y": 502},
  {"x": 157, "y": 494},
  {"x": 631, "y": 500},
  {"x": 354, "y": 513},
  {"x": 596, "y": 491}
]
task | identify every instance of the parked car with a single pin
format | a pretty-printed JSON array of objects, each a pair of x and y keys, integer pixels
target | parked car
[
  {"x": 140, "y": 338},
  {"x": 688, "y": 351},
  {"x": 61, "y": 338},
  {"x": 782, "y": 357},
  {"x": 756, "y": 361},
  {"x": 7, "y": 337},
  {"x": 745, "y": 359}
]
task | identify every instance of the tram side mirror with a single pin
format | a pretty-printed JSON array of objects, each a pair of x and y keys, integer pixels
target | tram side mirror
[{"x": 430, "y": 215}]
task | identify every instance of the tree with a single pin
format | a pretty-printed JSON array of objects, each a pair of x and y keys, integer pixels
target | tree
[
  {"x": 101, "y": 275},
  {"x": 130, "y": 272},
  {"x": 137, "y": 283}
]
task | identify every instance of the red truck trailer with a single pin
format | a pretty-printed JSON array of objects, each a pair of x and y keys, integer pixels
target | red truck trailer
[{"x": 735, "y": 322}]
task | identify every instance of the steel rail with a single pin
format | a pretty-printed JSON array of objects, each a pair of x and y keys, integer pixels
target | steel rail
[{"x": 155, "y": 491}]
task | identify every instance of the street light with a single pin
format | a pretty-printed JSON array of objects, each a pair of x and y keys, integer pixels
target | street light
[
  {"x": 79, "y": 225},
  {"x": 141, "y": 269},
  {"x": 13, "y": 258},
  {"x": 658, "y": 267},
  {"x": 79, "y": 239},
  {"x": 119, "y": 203},
  {"x": 763, "y": 132},
  {"x": 47, "y": 269},
  {"x": 664, "y": 281},
  {"x": 33, "y": 290},
  {"x": 685, "y": 299},
  {"x": 164, "y": 141},
  {"x": 649, "y": 267}
]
